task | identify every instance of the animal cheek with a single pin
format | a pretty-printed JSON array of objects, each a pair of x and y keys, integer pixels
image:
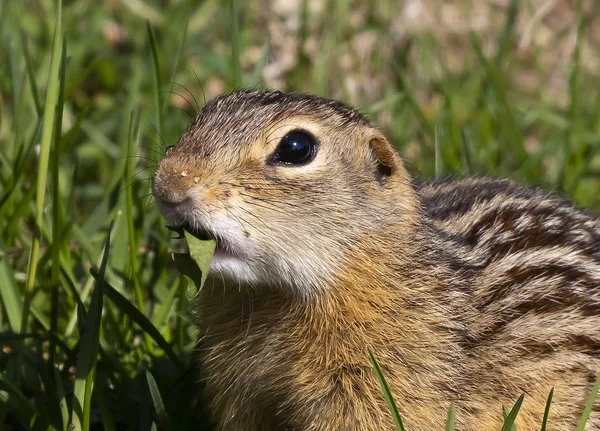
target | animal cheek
[{"x": 215, "y": 195}]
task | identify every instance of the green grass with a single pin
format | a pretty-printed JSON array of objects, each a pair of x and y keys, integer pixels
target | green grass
[
  {"x": 509, "y": 417},
  {"x": 96, "y": 327}
]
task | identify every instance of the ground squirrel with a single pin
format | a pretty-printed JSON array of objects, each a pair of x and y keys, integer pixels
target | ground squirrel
[{"x": 470, "y": 291}]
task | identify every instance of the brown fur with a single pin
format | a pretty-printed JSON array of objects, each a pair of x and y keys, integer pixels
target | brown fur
[{"x": 467, "y": 291}]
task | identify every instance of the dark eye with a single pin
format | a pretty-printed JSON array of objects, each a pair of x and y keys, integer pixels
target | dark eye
[
  {"x": 296, "y": 148},
  {"x": 168, "y": 149}
]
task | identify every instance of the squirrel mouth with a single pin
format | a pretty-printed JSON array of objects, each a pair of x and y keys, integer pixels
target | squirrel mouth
[
  {"x": 202, "y": 234},
  {"x": 198, "y": 231}
]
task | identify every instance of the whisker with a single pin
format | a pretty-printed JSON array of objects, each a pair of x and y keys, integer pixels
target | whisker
[
  {"x": 132, "y": 183},
  {"x": 188, "y": 91},
  {"x": 269, "y": 207},
  {"x": 180, "y": 109},
  {"x": 161, "y": 153},
  {"x": 137, "y": 156},
  {"x": 150, "y": 202},
  {"x": 253, "y": 215},
  {"x": 175, "y": 106},
  {"x": 143, "y": 196},
  {"x": 199, "y": 83},
  {"x": 139, "y": 172},
  {"x": 156, "y": 130},
  {"x": 267, "y": 201}
]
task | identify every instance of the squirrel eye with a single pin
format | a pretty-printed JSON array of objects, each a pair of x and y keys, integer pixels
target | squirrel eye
[
  {"x": 168, "y": 149},
  {"x": 296, "y": 148}
]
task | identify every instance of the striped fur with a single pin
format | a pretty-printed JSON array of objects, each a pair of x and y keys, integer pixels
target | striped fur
[{"x": 534, "y": 262}]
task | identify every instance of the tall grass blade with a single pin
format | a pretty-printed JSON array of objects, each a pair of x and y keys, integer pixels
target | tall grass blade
[
  {"x": 57, "y": 241},
  {"x": 572, "y": 142},
  {"x": 511, "y": 127},
  {"x": 9, "y": 293},
  {"x": 62, "y": 401},
  {"x": 56, "y": 204},
  {"x": 158, "y": 95},
  {"x": 179, "y": 54},
  {"x": 505, "y": 39},
  {"x": 414, "y": 106},
  {"x": 50, "y": 107},
  {"x": 236, "y": 67},
  {"x": 142, "y": 321},
  {"x": 387, "y": 393},
  {"x": 88, "y": 351},
  {"x": 257, "y": 73},
  {"x": 159, "y": 407},
  {"x": 31, "y": 75},
  {"x": 589, "y": 405},
  {"x": 161, "y": 315},
  {"x": 133, "y": 247}
]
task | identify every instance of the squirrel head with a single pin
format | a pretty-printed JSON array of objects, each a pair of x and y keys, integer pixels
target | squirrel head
[{"x": 286, "y": 183}]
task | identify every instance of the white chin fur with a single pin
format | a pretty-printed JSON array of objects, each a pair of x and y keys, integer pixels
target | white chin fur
[{"x": 233, "y": 267}]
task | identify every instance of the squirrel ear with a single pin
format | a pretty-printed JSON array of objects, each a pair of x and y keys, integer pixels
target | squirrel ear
[{"x": 386, "y": 159}]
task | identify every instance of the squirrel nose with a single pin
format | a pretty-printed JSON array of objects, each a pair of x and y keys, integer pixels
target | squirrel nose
[
  {"x": 169, "y": 193},
  {"x": 171, "y": 186}
]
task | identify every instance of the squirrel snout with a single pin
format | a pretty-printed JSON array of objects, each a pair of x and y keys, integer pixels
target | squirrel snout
[{"x": 171, "y": 184}]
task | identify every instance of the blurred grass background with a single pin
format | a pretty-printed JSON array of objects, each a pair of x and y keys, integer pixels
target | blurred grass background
[{"x": 497, "y": 87}]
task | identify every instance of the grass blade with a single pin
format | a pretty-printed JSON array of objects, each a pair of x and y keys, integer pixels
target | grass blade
[
  {"x": 159, "y": 406},
  {"x": 387, "y": 393},
  {"x": 10, "y": 294},
  {"x": 512, "y": 128},
  {"x": 236, "y": 68},
  {"x": 108, "y": 421},
  {"x": 31, "y": 75},
  {"x": 412, "y": 103},
  {"x": 17, "y": 402},
  {"x": 60, "y": 394},
  {"x": 179, "y": 53},
  {"x": 257, "y": 73},
  {"x": 589, "y": 405},
  {"x": 56, "y": 205},
  {"x": 160, "y": 316},
  {"x": 451, "y": 418},
  {"x": 133, "y": 247},
  {"x": 572, "y": 142},
  {"x": 509, "y": 419},
  {"x": 42, "y": 174},
  {"x": 88, "y": 351},
  {"x": 142, "y": 321},
  {"x": 505, "y": 416},
  {"x": 438, "y": 152},
  {"x": 467, "y": 152},
  {"x": 507, "y": 33},
  {"x": 158, "y": 93},
  {"x": 547, "y": 409}
]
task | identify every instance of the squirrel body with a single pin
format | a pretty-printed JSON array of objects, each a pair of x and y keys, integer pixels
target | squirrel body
[{"x": 469, "y": 291}]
